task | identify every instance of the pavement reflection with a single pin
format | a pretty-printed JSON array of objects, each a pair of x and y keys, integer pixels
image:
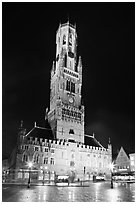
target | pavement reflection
[{"x": 96, "y": 192}]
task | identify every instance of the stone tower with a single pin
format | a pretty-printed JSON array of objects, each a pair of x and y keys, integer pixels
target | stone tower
[{"x": 66, "y": 115}]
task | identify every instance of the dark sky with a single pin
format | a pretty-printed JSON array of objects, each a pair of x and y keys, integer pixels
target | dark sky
[{"x": 106, "y": 38}]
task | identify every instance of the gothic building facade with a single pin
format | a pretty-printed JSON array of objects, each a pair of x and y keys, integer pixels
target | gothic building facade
[{"x": 62, "y": 147}]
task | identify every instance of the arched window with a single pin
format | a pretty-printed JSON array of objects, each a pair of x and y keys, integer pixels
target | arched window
[
  {"x": 65, "y": 60},
  {"x": 72, "y": 87},
  {"x": 25, "y": 158},
  {"x": 64, "y": 39},
  {"x": 46, "y": 160},
  {"x": 70, "y": 39},
  {"x": 68, "y": 86},
  {"x": 71, "y": 131}
]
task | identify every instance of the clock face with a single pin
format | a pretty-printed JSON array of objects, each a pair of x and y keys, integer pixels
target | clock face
[{"x": 70, "y": 99}]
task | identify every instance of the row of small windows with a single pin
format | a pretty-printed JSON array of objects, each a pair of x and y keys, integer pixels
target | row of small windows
[
  {"x": 70, "y": 73},
  {"x": 26, "y": 147},
  {"x": 46, "y": 160},
  {"x": 71, "y": 113},
  {"x": 51, "y": 161},
  {"x": 123, "y": 167},
  {"x": 46, "y": 149}
]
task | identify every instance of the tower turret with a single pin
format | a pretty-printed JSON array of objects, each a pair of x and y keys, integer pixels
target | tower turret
[{"x": 21, "y": 133}]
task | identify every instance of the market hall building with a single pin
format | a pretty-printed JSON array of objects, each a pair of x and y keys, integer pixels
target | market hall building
[{"x": 62, "y": 148}]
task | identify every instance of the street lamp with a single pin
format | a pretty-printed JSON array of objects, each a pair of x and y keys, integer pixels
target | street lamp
[
  {"x": 111, "y": 168},
  {"x": 29, "y": 165}
]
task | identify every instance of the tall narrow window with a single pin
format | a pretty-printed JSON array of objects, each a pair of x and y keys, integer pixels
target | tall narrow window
[
  {"x": 70, "y": 64},
  {"x": 70, "y": 39},
  {"x": 64, "y": 39},
  {"x": 25, "y": 158},
  {"x": 65, "y": 60},
  {"x": 68, "y": 85},
  {"x": 72, "y": 87},
  {"x": 52, "y": 161},
  {"x": 46, "y": 160}
]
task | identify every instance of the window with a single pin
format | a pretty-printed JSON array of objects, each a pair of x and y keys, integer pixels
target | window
[
  {"x": 72, "y": 163},
  {"x": 36, "y": 159},
  {"x": 52, "y": 150},
  {"x": 25, "y": 158},
  {"x": 72, "y": 87},
  {"x": 45, "y": 160},
  {"x": 52, "y": 161},
  {"x": 46, "y": 149},
  {"x": 36, "y": 149},
  {"x": 68, "y": 86},
  {"x": 26, "y": 147},
  {"x": 64, "y": 39},
  {"x": 71, "y": 131},
  {"x": 70, "y": 39},
  {"x": 65, "y": 60},
  {"x": 21, "y": 147}
]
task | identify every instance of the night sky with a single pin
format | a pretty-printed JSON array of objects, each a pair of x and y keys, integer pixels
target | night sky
[{"x": 106, "y": 43}]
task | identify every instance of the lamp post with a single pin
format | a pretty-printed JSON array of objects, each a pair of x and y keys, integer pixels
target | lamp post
[
  {"x": 29, "y": 165},
  {"x": 111, "y": 168}
]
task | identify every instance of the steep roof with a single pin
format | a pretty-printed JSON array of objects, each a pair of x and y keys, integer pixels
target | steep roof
[
  {"x": 40, "y": 132},
  {"x": 91, "y": 141}
]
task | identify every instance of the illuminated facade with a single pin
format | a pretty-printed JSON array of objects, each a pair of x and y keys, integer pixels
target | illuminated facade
[
  {"x": 122, "y": 162},
  {"x": 132, "y": 161},
  {"x": 62, "y": 147}
]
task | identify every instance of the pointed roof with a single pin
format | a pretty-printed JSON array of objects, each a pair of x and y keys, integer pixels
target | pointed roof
[
  {"x": 121, "y": 154},
  {"x": 91, "y": 141},
  {"x": 41, "y": 132}
]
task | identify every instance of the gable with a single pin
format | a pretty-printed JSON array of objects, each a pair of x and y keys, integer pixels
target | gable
[{"x": 122, "y": 157}]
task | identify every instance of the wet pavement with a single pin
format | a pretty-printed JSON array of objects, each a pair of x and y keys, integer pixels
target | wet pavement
[{"x": 96, "y": 192}]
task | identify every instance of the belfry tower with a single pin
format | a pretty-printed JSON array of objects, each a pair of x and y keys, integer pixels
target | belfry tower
[{"x": 66, "y": 115}]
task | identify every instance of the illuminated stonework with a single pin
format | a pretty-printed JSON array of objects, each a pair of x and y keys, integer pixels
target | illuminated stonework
[
  {"x": 63, "y": 148},
  {"x": 66, "y": 115}
]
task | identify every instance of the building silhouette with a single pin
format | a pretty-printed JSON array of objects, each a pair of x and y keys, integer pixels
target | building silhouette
[{"x": 62, "y": 147}]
